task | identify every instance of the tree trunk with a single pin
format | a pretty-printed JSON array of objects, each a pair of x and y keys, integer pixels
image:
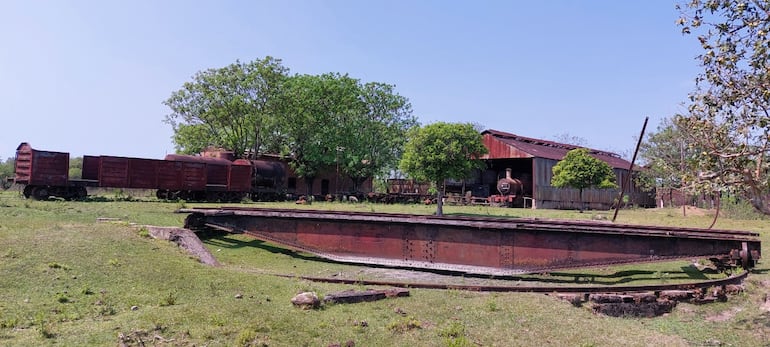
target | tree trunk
[
  {"x": 581, "y": 199},
  {"x": 760, "y": 201},
  {"x": 440, "y": 201},
  {"x": 256, "y": 142},
  {"x": 357, "y": 181},
  {"x": 309, "y": 185}
]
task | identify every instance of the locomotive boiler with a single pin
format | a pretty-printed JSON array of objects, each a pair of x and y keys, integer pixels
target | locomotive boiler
[{"x": 511, "y": 190}]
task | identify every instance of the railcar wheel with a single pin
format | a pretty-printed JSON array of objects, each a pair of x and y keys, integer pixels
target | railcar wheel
[
  {"x": 212, "y": 196},
  {"x": 235, "y": 197},
  {"x": 80, "y": 193},
  {"x": 28, "y": 191},
  {"x": 746, "y": 260},
  {"x": 40, "y": 193}
]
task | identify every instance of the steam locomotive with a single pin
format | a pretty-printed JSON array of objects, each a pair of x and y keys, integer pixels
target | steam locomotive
[
  {"x": 511, "y": 190},
  {"x": 474, "y": 190}
]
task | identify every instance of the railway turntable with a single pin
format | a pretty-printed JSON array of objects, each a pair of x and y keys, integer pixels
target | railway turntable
[{"x": 476, "y": 245}]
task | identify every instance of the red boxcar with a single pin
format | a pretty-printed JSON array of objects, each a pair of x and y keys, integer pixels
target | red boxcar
[
  {"x": 44, "y": 174},
  {"x": 34, "y": 167}
]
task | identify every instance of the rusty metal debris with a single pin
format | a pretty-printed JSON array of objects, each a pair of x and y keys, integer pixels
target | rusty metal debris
[{"x": 355, "y": 296}]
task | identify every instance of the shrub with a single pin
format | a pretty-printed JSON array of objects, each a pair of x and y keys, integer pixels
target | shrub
[{"x": 404, "y": 324}]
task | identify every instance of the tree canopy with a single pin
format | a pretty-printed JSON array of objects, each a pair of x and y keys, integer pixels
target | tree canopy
[
  {"x": 315, "y": 109},
  {"x": 317, "y": 120},
  {"x": 666, "y": 155},
  {"x": 334, "y": 119},
  {"x": 6, "y": 171},
  {"x": 728, "y": 119},
  {"x": 441, "y": 151},
  {"x": 376, "y": 134},
  {"x": 580, "y": 170},
  {"x": 232, "y": 107}
]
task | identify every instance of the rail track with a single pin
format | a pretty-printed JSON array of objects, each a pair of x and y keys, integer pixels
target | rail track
[{"x": 651, "y": 288}]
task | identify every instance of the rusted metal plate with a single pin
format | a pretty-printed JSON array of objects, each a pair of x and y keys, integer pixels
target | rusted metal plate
[
  {"x": 113, "y": 171},
  {"x": 169, "y": 176},
  {"x": 142, "y": 173},
  {"x": 239, "y": 179},
  {"x": 123, "y": 172},
  {"x": 482, "y": 245},
  {"x": 90, "y": 167},
  {"x": 217, "y": 175},
  {"x": 193, "y": 176},
  {"x": 353, "y": 296},
  {"x": 507, "y": 145}
]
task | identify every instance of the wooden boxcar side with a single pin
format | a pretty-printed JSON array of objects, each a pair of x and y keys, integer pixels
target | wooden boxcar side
[{"x": 239, "y": 179}]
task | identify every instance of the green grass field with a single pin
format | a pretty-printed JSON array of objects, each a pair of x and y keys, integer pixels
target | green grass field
[{"x": 68, "y": 280}]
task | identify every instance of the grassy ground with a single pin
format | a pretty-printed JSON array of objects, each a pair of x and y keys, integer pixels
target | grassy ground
[{"x": 66, "y": 279}]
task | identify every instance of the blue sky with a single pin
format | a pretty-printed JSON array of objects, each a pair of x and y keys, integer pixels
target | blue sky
[{"x": 89, "y": 77}]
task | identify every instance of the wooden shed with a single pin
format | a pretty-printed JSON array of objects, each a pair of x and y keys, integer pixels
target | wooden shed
[{"x": 532, "y": 160}]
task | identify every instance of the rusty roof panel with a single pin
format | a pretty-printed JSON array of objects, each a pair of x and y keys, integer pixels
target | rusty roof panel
[
  {"x": 506, "y": 145},
  {"x": 198, "y": 159}
]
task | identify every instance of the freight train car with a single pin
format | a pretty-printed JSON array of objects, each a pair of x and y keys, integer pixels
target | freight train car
[
  {"x": 45, "y": 174},
  {"x": 212, "y": 176}
]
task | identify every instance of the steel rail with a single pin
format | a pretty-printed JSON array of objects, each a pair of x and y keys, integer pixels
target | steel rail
[{"x": 734, "y": 279}]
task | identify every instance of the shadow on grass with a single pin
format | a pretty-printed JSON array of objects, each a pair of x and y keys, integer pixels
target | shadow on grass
[
  {"x": 221, "y": 240},
  {"x": 762, "y": 320}
]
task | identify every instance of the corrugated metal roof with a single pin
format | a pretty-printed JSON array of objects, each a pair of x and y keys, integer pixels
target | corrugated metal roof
[{"x": 545, "y": 149}]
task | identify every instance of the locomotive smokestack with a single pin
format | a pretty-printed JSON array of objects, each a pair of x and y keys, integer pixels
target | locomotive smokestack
[{"x": 508, "y": 173}]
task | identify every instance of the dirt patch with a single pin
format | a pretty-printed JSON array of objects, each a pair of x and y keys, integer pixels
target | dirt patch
[
  {"x": 186, "y": 239},
  {"x": 695, "y": 211},
  {"x": 723, "y": 316}
]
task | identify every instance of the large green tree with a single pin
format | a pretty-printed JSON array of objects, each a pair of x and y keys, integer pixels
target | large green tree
[
  {"x": 234, "y": 107},
  {"x": 374, "y": 136},
  {"x": 667, "y": 158},
  {"x": 316, "y": 114},
  {"x": 728, "y": 117},
  {"x": 440, "y": 151},
  {"x": 334, "y": 119},
  {"x": 580, "y": 170}
]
